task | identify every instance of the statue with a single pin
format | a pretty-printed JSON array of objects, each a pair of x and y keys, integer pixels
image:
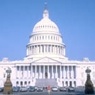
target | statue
[
  {"x": 89, "y": 89},
  {"x": 8, "y": 84}
]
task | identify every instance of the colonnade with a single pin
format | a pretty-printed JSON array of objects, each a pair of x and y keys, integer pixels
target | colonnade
[
  {"x": 36, "y": 49},
  {"x": 49, "y": 71}
]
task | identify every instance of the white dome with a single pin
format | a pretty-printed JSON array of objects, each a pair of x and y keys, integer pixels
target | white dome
[
  {"x": 45, "y": 40},
  {"x": 45, "y": 25}
]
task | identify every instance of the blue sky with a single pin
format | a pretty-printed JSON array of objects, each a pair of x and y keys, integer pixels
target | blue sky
[{"x": 75, "y": 19}]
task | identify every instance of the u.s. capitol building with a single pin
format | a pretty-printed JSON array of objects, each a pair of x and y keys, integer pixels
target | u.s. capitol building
[{"x": 46, "y": 62}]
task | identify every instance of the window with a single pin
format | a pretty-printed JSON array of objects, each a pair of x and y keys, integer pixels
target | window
[
  {"x": 54, "y": 37},
  {"x": 70, "y": 84},
  {"x": 40, "y": 37},
  {"x": 75, "y": 83},
  {"x": 37, "y": 37},
  {"x": 49, "y": 48},
  {"x": 48, "y": 37},
  {"x": 17, "y": 83},
  {"x": 42, "y": 48},
  {"x": 21, "y": 83},
  {"x": 25, "y": 82},
  {"x": 66, "y": 83},
  {"x": 29, "y": 67},
  {"x": 21, "y": 68},
  {"x": 25, "y": 68},
  {"x": 18, "y": 68}
]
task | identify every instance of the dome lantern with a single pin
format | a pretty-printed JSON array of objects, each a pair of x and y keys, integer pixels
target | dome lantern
[{"x": 45, "y": 13}]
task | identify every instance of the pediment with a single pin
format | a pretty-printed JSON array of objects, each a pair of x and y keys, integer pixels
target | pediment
[{"x": 46, "y": 60}]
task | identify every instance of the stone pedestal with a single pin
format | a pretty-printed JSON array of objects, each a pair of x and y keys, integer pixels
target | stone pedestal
[
  {"x": 89, "y": 89},
  {"x": 7, "y": 85}
]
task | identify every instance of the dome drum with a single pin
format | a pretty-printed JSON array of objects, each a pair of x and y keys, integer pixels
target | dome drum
[{"x": 45, "y": 38}]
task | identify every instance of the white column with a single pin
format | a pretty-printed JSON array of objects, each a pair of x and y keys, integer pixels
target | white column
[
  {"x": 24, "y": 71},
  {"x": 17, "y": 71},
  {"x": 56, "y": 49},
  {"x": 31, "y": 71},
  {"x": 52, "y": 72},
  {"x": 28, "y": 72},
  {"x": 60, "y": 71},
  {"x": 64, "y": 72},
  {"x": 67, "y": 72},
  {"x": 44, "y": 71},
  {"x": 32, "y": 50},
  {"x": 48, "y": 71},
  {"x": 56, "y": 71},
  {"x": 61, "y": 50},
  {"x": 50, "y": 48},
  {"x": 44, "y": 48},
  {"x": 53, "y": 48},
  {"x": 40, "y": 73},
  {"x": 38, "y": 49},
  {"x": 35, "y": 49},
  {"x": 35, "y": 71},
  {"x": 71, "y": 72},
  {"x": 41, "y": 48},
  {"x": 21, "y": 71}
]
